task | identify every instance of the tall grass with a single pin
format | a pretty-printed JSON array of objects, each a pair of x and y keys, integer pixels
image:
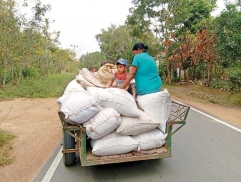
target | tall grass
[{"x": 46, "y": 87}]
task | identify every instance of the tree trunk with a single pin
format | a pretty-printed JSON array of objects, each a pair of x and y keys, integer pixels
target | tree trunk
[
  {"x": 209, "y": 72},
  {"x": 20, "y": 73},
  {"x": 186, "y": 77},
  {"x": 169, "y": 75}
]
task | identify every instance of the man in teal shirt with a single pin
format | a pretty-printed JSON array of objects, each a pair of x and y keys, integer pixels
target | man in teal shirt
[{"x": 144, "y": 70}]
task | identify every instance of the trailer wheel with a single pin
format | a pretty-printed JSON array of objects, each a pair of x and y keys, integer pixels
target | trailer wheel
[{"x": 69, "y": 159}]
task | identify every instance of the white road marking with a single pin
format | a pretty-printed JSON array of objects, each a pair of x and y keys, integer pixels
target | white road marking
[
  {"x": 53, "y": 167},
  {"x": 222, "y": 122},
  {"x": 58, "y": 158}
]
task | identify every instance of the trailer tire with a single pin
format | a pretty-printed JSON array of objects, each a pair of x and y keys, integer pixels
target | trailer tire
[{"x": 69, "y": 159}]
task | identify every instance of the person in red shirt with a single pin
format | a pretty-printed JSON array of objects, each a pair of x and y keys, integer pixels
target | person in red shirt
[{"x": 120, "y": 77}]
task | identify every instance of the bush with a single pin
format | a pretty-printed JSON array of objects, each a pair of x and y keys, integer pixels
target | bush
[{"x": 235, "y": 78}]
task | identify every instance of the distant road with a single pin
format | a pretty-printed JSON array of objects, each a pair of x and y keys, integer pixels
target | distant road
[{"x": 204, "y": 150}]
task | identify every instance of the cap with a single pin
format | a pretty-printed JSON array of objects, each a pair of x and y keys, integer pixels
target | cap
[{"x": 122, "y": 61}]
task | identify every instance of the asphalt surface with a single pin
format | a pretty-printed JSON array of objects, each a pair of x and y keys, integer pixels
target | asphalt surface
[{"x": 204, "y": 150}]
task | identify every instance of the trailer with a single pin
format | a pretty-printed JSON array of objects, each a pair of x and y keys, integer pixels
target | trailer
[{"x": 76, "y": 146}]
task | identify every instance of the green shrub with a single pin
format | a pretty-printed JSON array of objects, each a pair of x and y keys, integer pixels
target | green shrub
[{"x": 235, "y": 77}]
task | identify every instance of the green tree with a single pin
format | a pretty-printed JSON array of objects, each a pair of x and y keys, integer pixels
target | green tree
[
  {"x": 229, "y": 36},
  {"x": 27, "y": 48},
  {"x": 115, "y": 43},
  {"x": 200, "y": 14},
  {"x": 91, "y": 60},
  {"x": 168, "y": 18}
]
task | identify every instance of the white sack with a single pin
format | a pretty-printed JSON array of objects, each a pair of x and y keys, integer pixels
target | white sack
[
  {"x": 90, "y": 77},
  {"x": 150, "y": 140},
  {"x": 74, "y": 86},
  {"x": 79, "y": 107},
  {"x": 157, "y": 105},
  {"x": 93, "y": 91},
  {"x": 103, "y": 123},
  {"x": 135, "y": 126},
  {"x": 116, "y": 98},
  {"x": 80, "y": 79},
  {"x": 113, "y": 144}
]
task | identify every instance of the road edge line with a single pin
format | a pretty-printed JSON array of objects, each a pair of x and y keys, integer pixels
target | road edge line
[
  {"x": 218, "y": 120},
  {"x": 49, "y": 174}
]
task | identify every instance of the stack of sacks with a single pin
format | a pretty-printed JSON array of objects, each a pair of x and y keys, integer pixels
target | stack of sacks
[
  {"x": 113, "y": 122},
  {"x": 134, "y": 122},
  {"x": 77, "y": 105}
]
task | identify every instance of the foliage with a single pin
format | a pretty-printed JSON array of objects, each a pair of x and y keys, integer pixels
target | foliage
[
  {"x": 115, "y": 43},
  {"x": 229, "y": 36},
  {"x": 195, "y": 51},
  {"x": 170, "y": 21},
  {"x": 235, "y": 77},
  {"x": 92, "y": 60},
  {"x": 199, "y": 12},
  {"x": 28, "y": 49},
  {"x": 44, "y": 87}
]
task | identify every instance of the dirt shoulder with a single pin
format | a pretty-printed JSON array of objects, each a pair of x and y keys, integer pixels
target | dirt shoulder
[
  {"x": 36, "y": 124},
  {"x": 37, "y": 127}
]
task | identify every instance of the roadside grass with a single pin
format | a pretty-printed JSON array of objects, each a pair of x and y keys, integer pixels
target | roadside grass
[
  {"x": 46, "y": 87},
  {"x": 206, "y": 94},
  {"x": 5, "y": 147}
]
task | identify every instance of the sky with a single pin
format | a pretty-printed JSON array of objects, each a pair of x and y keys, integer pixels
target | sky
[{"x": 79, "y": 21}]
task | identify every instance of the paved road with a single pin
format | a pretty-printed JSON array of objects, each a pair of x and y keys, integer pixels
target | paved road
[{"x": 202, "y": 151}]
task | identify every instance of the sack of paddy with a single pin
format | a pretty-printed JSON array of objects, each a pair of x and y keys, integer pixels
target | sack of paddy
[
  {"x": 113, "y": 144},
  {"x": 157, "y": 105},
  {"x": 90, "y": 77},
  {"x": 80, "y": 79},
  {"x": 118, "y": 99},
  {"x": 78, "y": 107},
  {"x": 106, "y": 71},
  {"x": 151, "y": 139},
  {"x": 135, "y": 126},
  {"x": 97, "y": 76},
  {"x": 74, "y": 86},
  {"x": 103, "y": 123}
]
